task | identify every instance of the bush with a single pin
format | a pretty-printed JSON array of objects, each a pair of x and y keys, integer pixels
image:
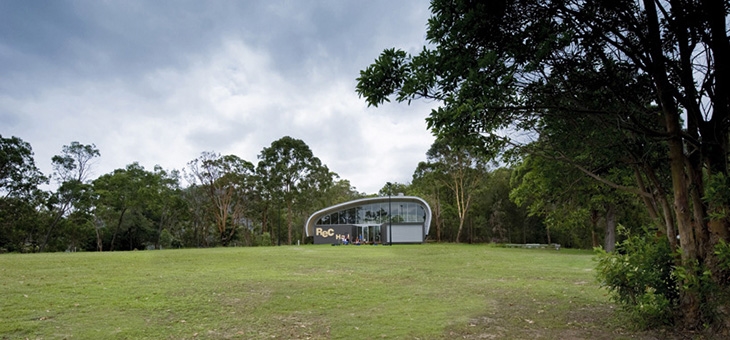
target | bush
[
  {"x": 166, "y": 239},
  {"x": 639, "y": 276},
  {"x": 722, "y": 251},
  {"x": 263, "y": 240}
]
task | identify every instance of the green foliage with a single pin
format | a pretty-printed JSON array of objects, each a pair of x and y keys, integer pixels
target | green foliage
[
  {"x": 717, "y": 196},
  {"x": 19, "y": 175},
  {"x": 640, "y": 278},
  {"x": 263, "y": 240},
  {"x": 292, "y": 177},
  {"x": 166, "y": 239},
  {"x": 722, "y": 251},
  {"x": 699, "y": 281}
]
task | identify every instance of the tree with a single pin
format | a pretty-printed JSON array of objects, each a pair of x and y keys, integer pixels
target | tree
[
  {"x": 496, "y": 65},
  {"x": 463, "y": 171},
  {"x": 428, "y": 184},
  {"x": 19, "y": 195},
  {"x": 121, "y": 193},
  {"x": 493, "y": 210},
  {"x": 340, "y": 191},
  {"x": 71, "y": 170},
  {"x": 290, "y": 171},
  {"x": 197, "y": 225},
  {"x": 167, "y": 204},
  {"x": 574, "y": 204},
  {"x": 228, "y": 183},
  {"x": 19, "y": 175}
]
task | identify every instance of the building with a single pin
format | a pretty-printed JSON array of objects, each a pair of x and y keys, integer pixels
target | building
[{"x": 367, "y": 219}]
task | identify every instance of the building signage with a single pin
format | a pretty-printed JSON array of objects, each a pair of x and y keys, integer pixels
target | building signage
[{"x": 332, "y": 234}]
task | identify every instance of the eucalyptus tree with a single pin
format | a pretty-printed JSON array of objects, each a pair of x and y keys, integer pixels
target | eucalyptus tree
[
  {"x": 291, "y": 173},
  {"x": 19, "y": 175},
  {"x": 228, "y": 182},
  {"x": 646, "y": 65},
  {"x": 167, "y": 206},
  {"x": 195, "y": 229},
  {"x": 496, "y": 218},
  {"x": 394, "y": 188},
  {"x": 463, "y": 173},
  {"x": 71, "y": 170},
  {"x": 122, "y": 195},
  {"x": 20, "y": 196},
  {"x": 340, "y": 191},
  {"x": 428, "y": 183}
]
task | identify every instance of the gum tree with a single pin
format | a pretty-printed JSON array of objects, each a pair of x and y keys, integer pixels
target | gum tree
[
  {"x": 291, "y": 174},
  {"x": 19, "y": 194},
  {"x": 71, "y": 170},
  {"x": 462, "y": 172},
  {"x": 228, "y": 182}
]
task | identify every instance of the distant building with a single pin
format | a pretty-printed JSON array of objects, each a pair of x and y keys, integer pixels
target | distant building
[{"x": 367, "y": 219}]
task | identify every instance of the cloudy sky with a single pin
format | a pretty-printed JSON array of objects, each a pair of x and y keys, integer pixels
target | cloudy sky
[{"x": 159, "y": 82}]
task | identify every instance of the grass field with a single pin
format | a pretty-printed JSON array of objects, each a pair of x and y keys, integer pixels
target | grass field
[{"x": 432, "y": 291}]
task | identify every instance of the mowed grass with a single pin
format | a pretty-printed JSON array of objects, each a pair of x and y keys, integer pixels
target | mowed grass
[{"x": 433, "y": 291}]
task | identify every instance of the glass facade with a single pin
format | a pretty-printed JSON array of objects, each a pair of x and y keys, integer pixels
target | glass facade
[
  {"x": 377, "y": 214},
  {"x": 366, "y": 220}
]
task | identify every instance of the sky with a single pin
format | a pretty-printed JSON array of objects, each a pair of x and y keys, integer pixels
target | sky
[{"x": 159, "y": 82}]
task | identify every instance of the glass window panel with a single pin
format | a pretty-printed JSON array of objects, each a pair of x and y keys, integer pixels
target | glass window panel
[
  {"x": 395, "y": 212},
  {"x": 382, "y": 213},
  {"x": 360, "y": 215},
  {"x": 368, "y": 213}
]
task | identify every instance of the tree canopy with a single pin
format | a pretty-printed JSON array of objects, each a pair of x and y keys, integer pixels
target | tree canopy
[
  {"x": 288, "y": 168},
  {"x": 649, "y": 78}
]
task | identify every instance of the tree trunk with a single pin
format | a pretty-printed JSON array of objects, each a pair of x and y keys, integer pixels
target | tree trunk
[
  {"x": 54, "y": 224},
  {"x": 458, "y": 233},
  {"x": 116, "y": 230},
  {"x": 264, "y": 220},
  {"x": 594, "y": 227},
  {"x": 437, "y": 217},
  {"x": 649, "y": 203},
  {"x": 289, "y": 222},
  {"x": 547, "y": 229},
  {"x": 689, "y": 299},
  {"x": 99, "y": 244},
  {"x": 610, "y": 238},
  {"x": 668, "y": 212}
]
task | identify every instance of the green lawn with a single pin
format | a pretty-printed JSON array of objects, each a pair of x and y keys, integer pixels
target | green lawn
[{"x": 433, "y": 291}]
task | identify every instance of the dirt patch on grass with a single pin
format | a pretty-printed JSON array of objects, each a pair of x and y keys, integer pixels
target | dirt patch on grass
[{"x": 548, "y": 320}]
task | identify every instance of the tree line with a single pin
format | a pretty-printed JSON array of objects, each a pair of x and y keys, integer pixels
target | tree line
[
  {"x": 216, "y": 200},
  {"x": 223, "y": 200}
]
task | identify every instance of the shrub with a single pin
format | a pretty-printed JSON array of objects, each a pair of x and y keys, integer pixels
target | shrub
[
  {"x": 639, "y": 276},
  {"x": 263, "y": 240}
]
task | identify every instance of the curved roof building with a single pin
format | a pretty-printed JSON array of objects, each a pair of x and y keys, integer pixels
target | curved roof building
[{"x": 369, "y": 220}]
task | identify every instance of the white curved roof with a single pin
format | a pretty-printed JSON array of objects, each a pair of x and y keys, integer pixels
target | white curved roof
[{"x": 309, "y": 226}]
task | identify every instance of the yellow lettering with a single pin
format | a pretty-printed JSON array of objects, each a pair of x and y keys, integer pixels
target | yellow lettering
[{"x": 324, "y": 233}]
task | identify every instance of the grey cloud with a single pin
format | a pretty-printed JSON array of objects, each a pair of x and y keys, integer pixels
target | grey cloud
[{"x": 161, "y": 81}]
